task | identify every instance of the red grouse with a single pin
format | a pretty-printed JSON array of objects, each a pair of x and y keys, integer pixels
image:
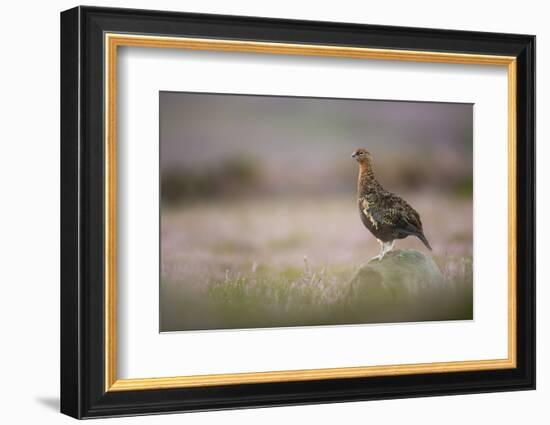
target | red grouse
[{"x": 387, "y": 216}]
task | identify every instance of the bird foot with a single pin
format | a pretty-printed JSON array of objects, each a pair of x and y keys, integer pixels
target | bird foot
[{"x": 385, "y": 247}]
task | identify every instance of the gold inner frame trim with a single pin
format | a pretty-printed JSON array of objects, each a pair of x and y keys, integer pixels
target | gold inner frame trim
[{"x": 113, "y": 41}]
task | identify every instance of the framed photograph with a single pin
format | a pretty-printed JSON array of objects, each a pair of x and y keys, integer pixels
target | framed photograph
[{"x": 260, "y": 212}]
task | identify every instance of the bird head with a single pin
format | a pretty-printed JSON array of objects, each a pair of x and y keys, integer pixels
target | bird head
[{"x": 362, "y": 156}]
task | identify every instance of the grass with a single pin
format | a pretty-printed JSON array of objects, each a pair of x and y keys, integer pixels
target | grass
[
  {"x": 310, "y": 296},
  {"x": 240, "y": 264}
]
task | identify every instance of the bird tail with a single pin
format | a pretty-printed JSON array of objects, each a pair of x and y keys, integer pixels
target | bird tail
[{"x": 424, "y": 240}]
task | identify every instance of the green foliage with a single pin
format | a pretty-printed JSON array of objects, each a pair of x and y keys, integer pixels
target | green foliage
[
  {"x": 232, "y": 177},
  {"x": 268, "y": 297},
  {"x": 463, "y": 187}
]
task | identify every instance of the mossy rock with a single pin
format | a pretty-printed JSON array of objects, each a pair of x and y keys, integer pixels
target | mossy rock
[{"x": 402, "y": 279}]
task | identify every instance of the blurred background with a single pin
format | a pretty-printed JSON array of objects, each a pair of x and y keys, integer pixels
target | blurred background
[{"x": 258, "y": 193}]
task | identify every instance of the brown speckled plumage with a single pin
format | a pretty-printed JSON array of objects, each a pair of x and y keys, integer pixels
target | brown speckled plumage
[{"x": 386, "y": 215}]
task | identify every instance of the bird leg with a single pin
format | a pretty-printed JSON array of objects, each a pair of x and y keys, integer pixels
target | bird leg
[
  {"x": 381, "y": 253},
  {"x": 385, "y": 247}
]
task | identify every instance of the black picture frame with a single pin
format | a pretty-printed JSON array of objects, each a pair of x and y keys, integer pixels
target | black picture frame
[{"x": 83, "y": 392}]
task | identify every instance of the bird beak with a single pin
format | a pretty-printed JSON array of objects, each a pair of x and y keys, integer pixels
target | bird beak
[{"x": 353, "y": 155}]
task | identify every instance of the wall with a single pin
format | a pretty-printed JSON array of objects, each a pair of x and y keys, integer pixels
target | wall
[{"x": 29, "y": 228}]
